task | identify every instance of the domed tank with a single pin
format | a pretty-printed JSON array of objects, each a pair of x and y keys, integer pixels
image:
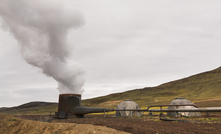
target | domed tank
[
  {"x": 181, "y": 101},
  {"x": 128, "y": 104}
]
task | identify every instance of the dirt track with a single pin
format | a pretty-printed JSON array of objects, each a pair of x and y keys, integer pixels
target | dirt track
[
  {"x": 150, "y": 126},
  {"x": 12, "y": 125}
]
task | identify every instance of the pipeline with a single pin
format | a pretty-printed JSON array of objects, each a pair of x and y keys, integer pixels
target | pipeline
[
  {"x": 175, "y": 110},
  {"x": 166, "y": 119},
  {"x": 196, "y": 109},
  {"x": 86, "y": 110},
  {"x": 188, "y": 110}
]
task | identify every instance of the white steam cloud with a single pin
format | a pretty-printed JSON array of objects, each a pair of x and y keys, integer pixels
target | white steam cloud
[{"x": 41, "y": 28}]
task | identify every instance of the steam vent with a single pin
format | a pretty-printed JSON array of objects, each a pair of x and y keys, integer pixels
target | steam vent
[
  {"x": 128, "y": 104},
  {"x": 180, "y": 101},
  {"x": 66, "y": 103}
]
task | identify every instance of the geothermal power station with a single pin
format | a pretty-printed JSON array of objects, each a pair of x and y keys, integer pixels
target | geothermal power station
[{"x": 69, "y": 106}]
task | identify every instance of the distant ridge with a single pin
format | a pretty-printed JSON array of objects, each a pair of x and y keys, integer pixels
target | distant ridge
[
  {"x": 36, "y": 107},
  {"x": 36, "y": 104}
]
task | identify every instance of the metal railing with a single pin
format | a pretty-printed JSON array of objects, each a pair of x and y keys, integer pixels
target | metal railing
[{"x": 197, "y": 109}]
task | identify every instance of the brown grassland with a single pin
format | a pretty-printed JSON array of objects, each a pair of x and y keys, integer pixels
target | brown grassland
[{"x": 143, "y": 125}]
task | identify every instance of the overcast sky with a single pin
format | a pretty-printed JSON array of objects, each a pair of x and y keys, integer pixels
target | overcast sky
[{"x": 124, "y": 45}]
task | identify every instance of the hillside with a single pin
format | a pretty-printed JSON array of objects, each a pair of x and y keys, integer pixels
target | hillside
[
  {"x": 32, "y": 108},
  {"x": 197, "y": 88},
  {"x": 203, "y": 89}
]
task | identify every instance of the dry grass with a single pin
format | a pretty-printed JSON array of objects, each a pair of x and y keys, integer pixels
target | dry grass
[{"x": 12, "y": 125}]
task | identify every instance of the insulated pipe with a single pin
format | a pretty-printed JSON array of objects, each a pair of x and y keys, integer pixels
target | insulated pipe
[
  {"x": 218, "y": 109},
  {"x": 214, "y": 109},
  {"x": 87, "y": 110}
]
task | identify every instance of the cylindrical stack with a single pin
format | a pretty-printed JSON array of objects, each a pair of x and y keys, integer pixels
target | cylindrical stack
[
  {"x": 70, "y": 106},
  {"x": 68, "y": 102}
]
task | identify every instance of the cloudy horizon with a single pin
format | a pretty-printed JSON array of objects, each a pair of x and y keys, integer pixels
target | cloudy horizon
[{"x": 123, "y": 45}]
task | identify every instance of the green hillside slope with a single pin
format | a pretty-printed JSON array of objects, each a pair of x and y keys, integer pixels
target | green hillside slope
[{"x": 203, "y": 86}]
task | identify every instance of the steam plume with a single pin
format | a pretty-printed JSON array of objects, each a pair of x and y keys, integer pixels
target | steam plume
[{"x": 41, "y": 28}]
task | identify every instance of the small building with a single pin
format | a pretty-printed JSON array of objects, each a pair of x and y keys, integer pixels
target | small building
[
  {"x": 128, "y": 104},
  {"x": 181, "y": 101}
]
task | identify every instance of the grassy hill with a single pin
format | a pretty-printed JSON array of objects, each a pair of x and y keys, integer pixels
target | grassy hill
[
  {"x": 197, "y": 88},
  {"x": 203, "y": 89}
]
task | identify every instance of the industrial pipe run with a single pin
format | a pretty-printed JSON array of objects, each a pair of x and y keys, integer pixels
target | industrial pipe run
[
  {"x": 70, "y": 106},
  {"x": 218, "y": 109},
  {"x": 206, "y": 109}
]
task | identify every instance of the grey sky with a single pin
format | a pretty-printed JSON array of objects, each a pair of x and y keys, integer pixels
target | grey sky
[{"x": 124, "y": 44}]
